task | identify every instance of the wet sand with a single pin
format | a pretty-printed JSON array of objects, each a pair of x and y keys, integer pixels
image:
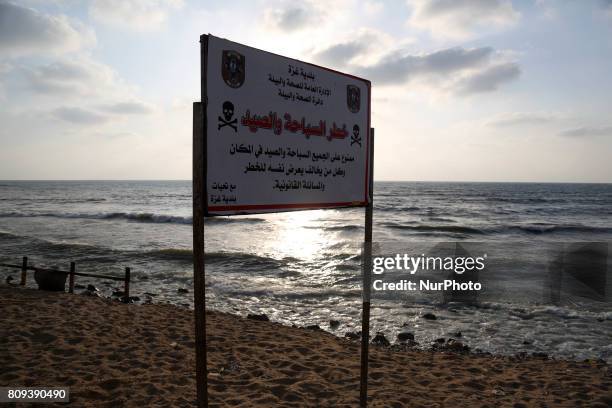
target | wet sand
[{"x": 116, "y": 355}]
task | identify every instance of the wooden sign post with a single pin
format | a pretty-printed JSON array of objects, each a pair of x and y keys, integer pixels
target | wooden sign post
[
  {"x": 366, "y": 270},
  {"x": 275, "y": 134}
]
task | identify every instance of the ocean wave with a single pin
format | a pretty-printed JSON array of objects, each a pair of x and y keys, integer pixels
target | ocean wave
[
  {"x": 144, "y": 217},
  {"x": 547, "y": 229},
  {"x": 435, "y": 228},
  {"x": 180, "y": 254},
  {"x": 338, "y": 227},
  {"x": 55, "y": 200}
]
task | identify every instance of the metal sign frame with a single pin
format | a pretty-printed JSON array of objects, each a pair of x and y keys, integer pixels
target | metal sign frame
[{"x": 200, "y": 210}]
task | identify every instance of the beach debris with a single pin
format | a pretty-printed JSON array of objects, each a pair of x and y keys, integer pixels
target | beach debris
[
  {"x": 405, "y": 336},
  {"x": 456, "y": 345},
  {"x": 9, "y": 279},
  {"x": 182, "y": 290},
  {"x": 450, "y": 345},
  {"x": 51, "y": 281},
  {"x": 259, "y": 317},
  {"x": 91, "y": 288},
  {"x": 90, "y": 293},
  {"x": 429, "y": 316},
  {"x": 313, "y": 327},
  {"x": 334, "y": 324},
  {"x": 353, "y": 335},
  {"x": 380, "y": 340},
  {"x": 456, "y": 334}
]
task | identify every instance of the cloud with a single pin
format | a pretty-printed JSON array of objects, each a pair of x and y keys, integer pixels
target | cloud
[
  {"x": 397, "y": 68},
  {"x": 288, "y": 16},
  {"x": 137, "y": 15},
  {"x": 459, "y": 19},
  {"x": 78, "y": 76},
  {"x": 24, "y": 31},
  {"x": 289, "y": 19},
  {"x": 456, "y": 70},
  {"x": 128, "y": 108},
  {"x": 488, "y": 79},
  {"x": 79, "y": 116},
  {"x": 521, "y": 119},
  {"x": 363, "y": 43},
  {"x": 588, "y": 131}
]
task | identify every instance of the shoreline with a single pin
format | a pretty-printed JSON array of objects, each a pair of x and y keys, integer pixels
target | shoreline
[{"x": 115, "y": 354}]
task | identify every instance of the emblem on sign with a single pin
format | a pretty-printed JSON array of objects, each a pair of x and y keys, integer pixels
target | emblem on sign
[
  {"x": 228, "y": 112},
  {"x": 355, "y": 138},
  {"x": 232, "y": 68},
  {"x": 353, "y": 98}
]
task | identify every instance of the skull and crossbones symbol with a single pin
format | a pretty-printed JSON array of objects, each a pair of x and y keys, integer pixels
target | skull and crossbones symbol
[
  {"x": 355, "y": 138},
  {"x": 228, "y": 112}
]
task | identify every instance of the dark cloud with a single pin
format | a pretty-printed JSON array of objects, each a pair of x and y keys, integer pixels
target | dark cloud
[
  {"x": 588, "y": 131},
  {"x": 489, "y": 79},
  {"x": 290, "y": 19},
  {"x": 79, "y": 116},
  {"x": 26, "y": 31},
  {"x": 339, "y": 54},
  {"x": 128, "y": 108},
  {"x": 397, "y": 68},
  {"x": 522, "y": 118}
]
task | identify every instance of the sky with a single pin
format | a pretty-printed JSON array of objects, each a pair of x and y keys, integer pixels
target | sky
[{"x": 462, "y": 90}]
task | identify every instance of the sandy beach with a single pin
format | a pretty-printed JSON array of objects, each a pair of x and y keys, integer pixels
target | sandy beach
[{"x": 112, "y": 354}]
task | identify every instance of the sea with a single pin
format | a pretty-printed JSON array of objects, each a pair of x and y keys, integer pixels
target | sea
[{"x": 546, "y": 288}]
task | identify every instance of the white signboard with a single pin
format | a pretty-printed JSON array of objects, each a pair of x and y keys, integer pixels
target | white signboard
[{"x": 282, "y": 134}]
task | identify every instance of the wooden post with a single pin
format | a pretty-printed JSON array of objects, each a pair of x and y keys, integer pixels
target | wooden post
[
  {"x": 126, "y": 290},
  {"x": 367, "y": 269},
  {"x": 71, "y": 281},
  {"x": 24, "y": 270},
  {"x": 199, "y": 282}
]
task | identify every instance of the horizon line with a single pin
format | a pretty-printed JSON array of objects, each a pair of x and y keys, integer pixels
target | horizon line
[{"x": 376, "y": 181}]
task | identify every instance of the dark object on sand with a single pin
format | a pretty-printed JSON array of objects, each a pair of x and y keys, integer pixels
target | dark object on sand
[
  {"x": 313, "y": 327},
  {"x": 456, "y": 334},
  {"x": 380, "y": 340},
  {"x": 182, "y": 290},
  {"x": 9, "y": 279},
  {"x": 429, "y": 316},
  {"x": 353, "y": 335},
  {"x": 405, "y": 336},
  {"x": 334, "y": 324},
  {"x": 52, "y": 281},
  {"x": 92, "y": 288},
  {"x": 450, "y": 345},
  {"x": 259, "y": 317}
]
